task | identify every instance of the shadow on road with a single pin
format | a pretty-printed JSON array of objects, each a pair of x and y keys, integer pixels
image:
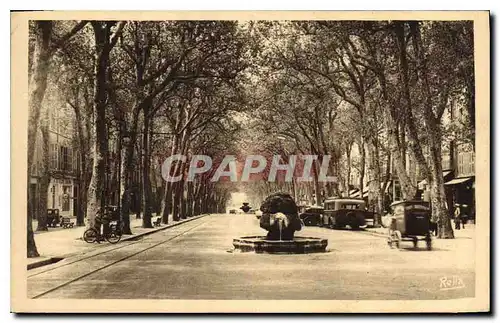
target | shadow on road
[{"x": 422, "y": 249}]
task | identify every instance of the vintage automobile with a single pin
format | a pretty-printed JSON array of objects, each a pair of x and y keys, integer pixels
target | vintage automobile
[
  {"x": 410, "y": 221},
  {"x": 342, "y": 212},
  {"x": 311, "y": 216},
  {"x": 232, "y": 211}
]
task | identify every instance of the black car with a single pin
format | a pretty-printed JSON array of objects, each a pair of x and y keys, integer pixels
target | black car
[{"x": 312, "y": 216}]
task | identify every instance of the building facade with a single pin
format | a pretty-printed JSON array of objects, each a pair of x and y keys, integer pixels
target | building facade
[{"x": 63, "y": 164}]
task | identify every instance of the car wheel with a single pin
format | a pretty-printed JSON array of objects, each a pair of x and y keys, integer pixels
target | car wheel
[{"x": 306, "y": 221}]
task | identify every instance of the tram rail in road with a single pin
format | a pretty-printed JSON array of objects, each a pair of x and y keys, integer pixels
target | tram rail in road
[
  {"x": 138, "y": 238},
  {"x": 189, "y": 228}
]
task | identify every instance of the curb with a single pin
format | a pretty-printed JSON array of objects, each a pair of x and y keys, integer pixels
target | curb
[
  {"x": 52, "y": 260},
  {"x": 44, "y": 262},
  {"x": 377, "y": 234},
  {"x": 168, "y": 226}
]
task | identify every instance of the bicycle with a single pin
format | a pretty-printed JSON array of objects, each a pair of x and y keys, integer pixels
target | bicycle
[{"x": 113, "y": 236}]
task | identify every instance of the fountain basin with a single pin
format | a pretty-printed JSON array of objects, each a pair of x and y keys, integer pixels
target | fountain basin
[{"x": 259, "y": 244}]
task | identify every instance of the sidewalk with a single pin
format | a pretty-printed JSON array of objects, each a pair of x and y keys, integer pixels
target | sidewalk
[
  {"x": 467, "y": 233},
  {"x": 60, "y": 243}
]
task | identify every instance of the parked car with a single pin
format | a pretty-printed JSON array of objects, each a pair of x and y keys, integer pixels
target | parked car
[
  {"x": 232, "y": 211},
  {"x": 342, "y": 212},
  {"x": 312, "y": 215},
  {"x": 410, "y": 221}
]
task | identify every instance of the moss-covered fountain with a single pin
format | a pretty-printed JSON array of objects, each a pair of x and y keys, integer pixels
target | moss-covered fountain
[{"x": 280, "y": 218}]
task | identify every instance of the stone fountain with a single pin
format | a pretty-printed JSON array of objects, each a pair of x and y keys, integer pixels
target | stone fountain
[
  {"x": 245, "y": 208},
  {"x": 280, "y": 218}
]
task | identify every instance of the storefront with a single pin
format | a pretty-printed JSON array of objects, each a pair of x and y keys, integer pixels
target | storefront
[
  {"x": 463, "y": 191},
  {"x": 60, "y": 196}
]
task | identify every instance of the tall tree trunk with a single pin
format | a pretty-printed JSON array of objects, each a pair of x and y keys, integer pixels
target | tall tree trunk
[
  {"x": 96, "y": 198},
  {"x": 127, "y": 170},
  {"x": 432, "y": 123},
  {"x": 140, "y": 182},
  {"x": 176, "y": 201},
  {"x": 37, "y": 87},
  {"x": 166, "y": 202},
  {"x": 196, "y": 196},
  {"x": 38, "y": 81},
  {"x": 146, "y": 183},
  {"x": 408, "y": 120},
  {"x": 44, "y": 174},
  {"x": 32, "y": 251},
  {"x": 183, "y": 202},
  {"x": 362, "y": 166},
  {"x": 189, "y": 200},
  {"x": 125, "y": 180},
  {"x": 380, "y": 188},
  {"x": 407, "y": 188},
  {"x": 438, "y": 198},
  {"x": 196, "y": 206},
  {"x": 374, "y": 192},
  {"x": 317, "y": 189},
  {"x": 83, "y": 183},
  {"x": 168, "y": 193},
  {"x": 84, "y": 169},
  {"x": 348, "y": 170}
]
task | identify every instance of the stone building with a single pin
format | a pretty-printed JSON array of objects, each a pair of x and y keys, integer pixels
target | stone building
[{"x": 63, "y": 162}]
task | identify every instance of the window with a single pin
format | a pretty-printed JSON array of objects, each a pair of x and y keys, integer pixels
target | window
[
  {"x": 70, "y": 160},
  {"x": 65, "y": 159},
  {"x": 62, "y": 154},
  {"x": 465, "y": 164},
  {"x": 76, "y": 160},
  {"x": 350, "y": 206},
  {"x": 54, "y": 157},
  {"x": 65, "y": 203}
]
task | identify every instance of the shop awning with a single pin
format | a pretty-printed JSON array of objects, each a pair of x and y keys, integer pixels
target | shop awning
[
  {"x": 355, "y": 194},
  {"x": 424, "y": 182},
  {"x": 456, "y": 181}
]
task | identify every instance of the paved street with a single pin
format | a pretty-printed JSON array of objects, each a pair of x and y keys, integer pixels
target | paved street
[
  {"x": 194, "y": 261},
  {"x": 62, "y": 243}
]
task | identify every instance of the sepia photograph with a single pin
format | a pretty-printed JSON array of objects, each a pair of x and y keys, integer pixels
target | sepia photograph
[{"x": 210, "y": 162}]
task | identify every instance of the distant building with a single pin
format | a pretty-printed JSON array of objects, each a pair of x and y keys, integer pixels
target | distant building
[{"x": 63, "y": 163}]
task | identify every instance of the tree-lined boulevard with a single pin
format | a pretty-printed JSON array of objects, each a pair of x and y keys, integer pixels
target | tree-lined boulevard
[{"x": 373, "y": 96}]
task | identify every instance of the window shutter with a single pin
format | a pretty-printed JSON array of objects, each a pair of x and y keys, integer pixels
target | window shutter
[
  {"x": 70, "y": 159},
  {"x": 53, "y": 156}
]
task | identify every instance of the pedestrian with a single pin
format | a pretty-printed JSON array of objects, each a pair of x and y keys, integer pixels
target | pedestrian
[
  {"x": 433, "y": 226},
  {"x": 464, "y": 217},
  {"x": 99, "y": 221},
  {"x": 457, "y": 217}
]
